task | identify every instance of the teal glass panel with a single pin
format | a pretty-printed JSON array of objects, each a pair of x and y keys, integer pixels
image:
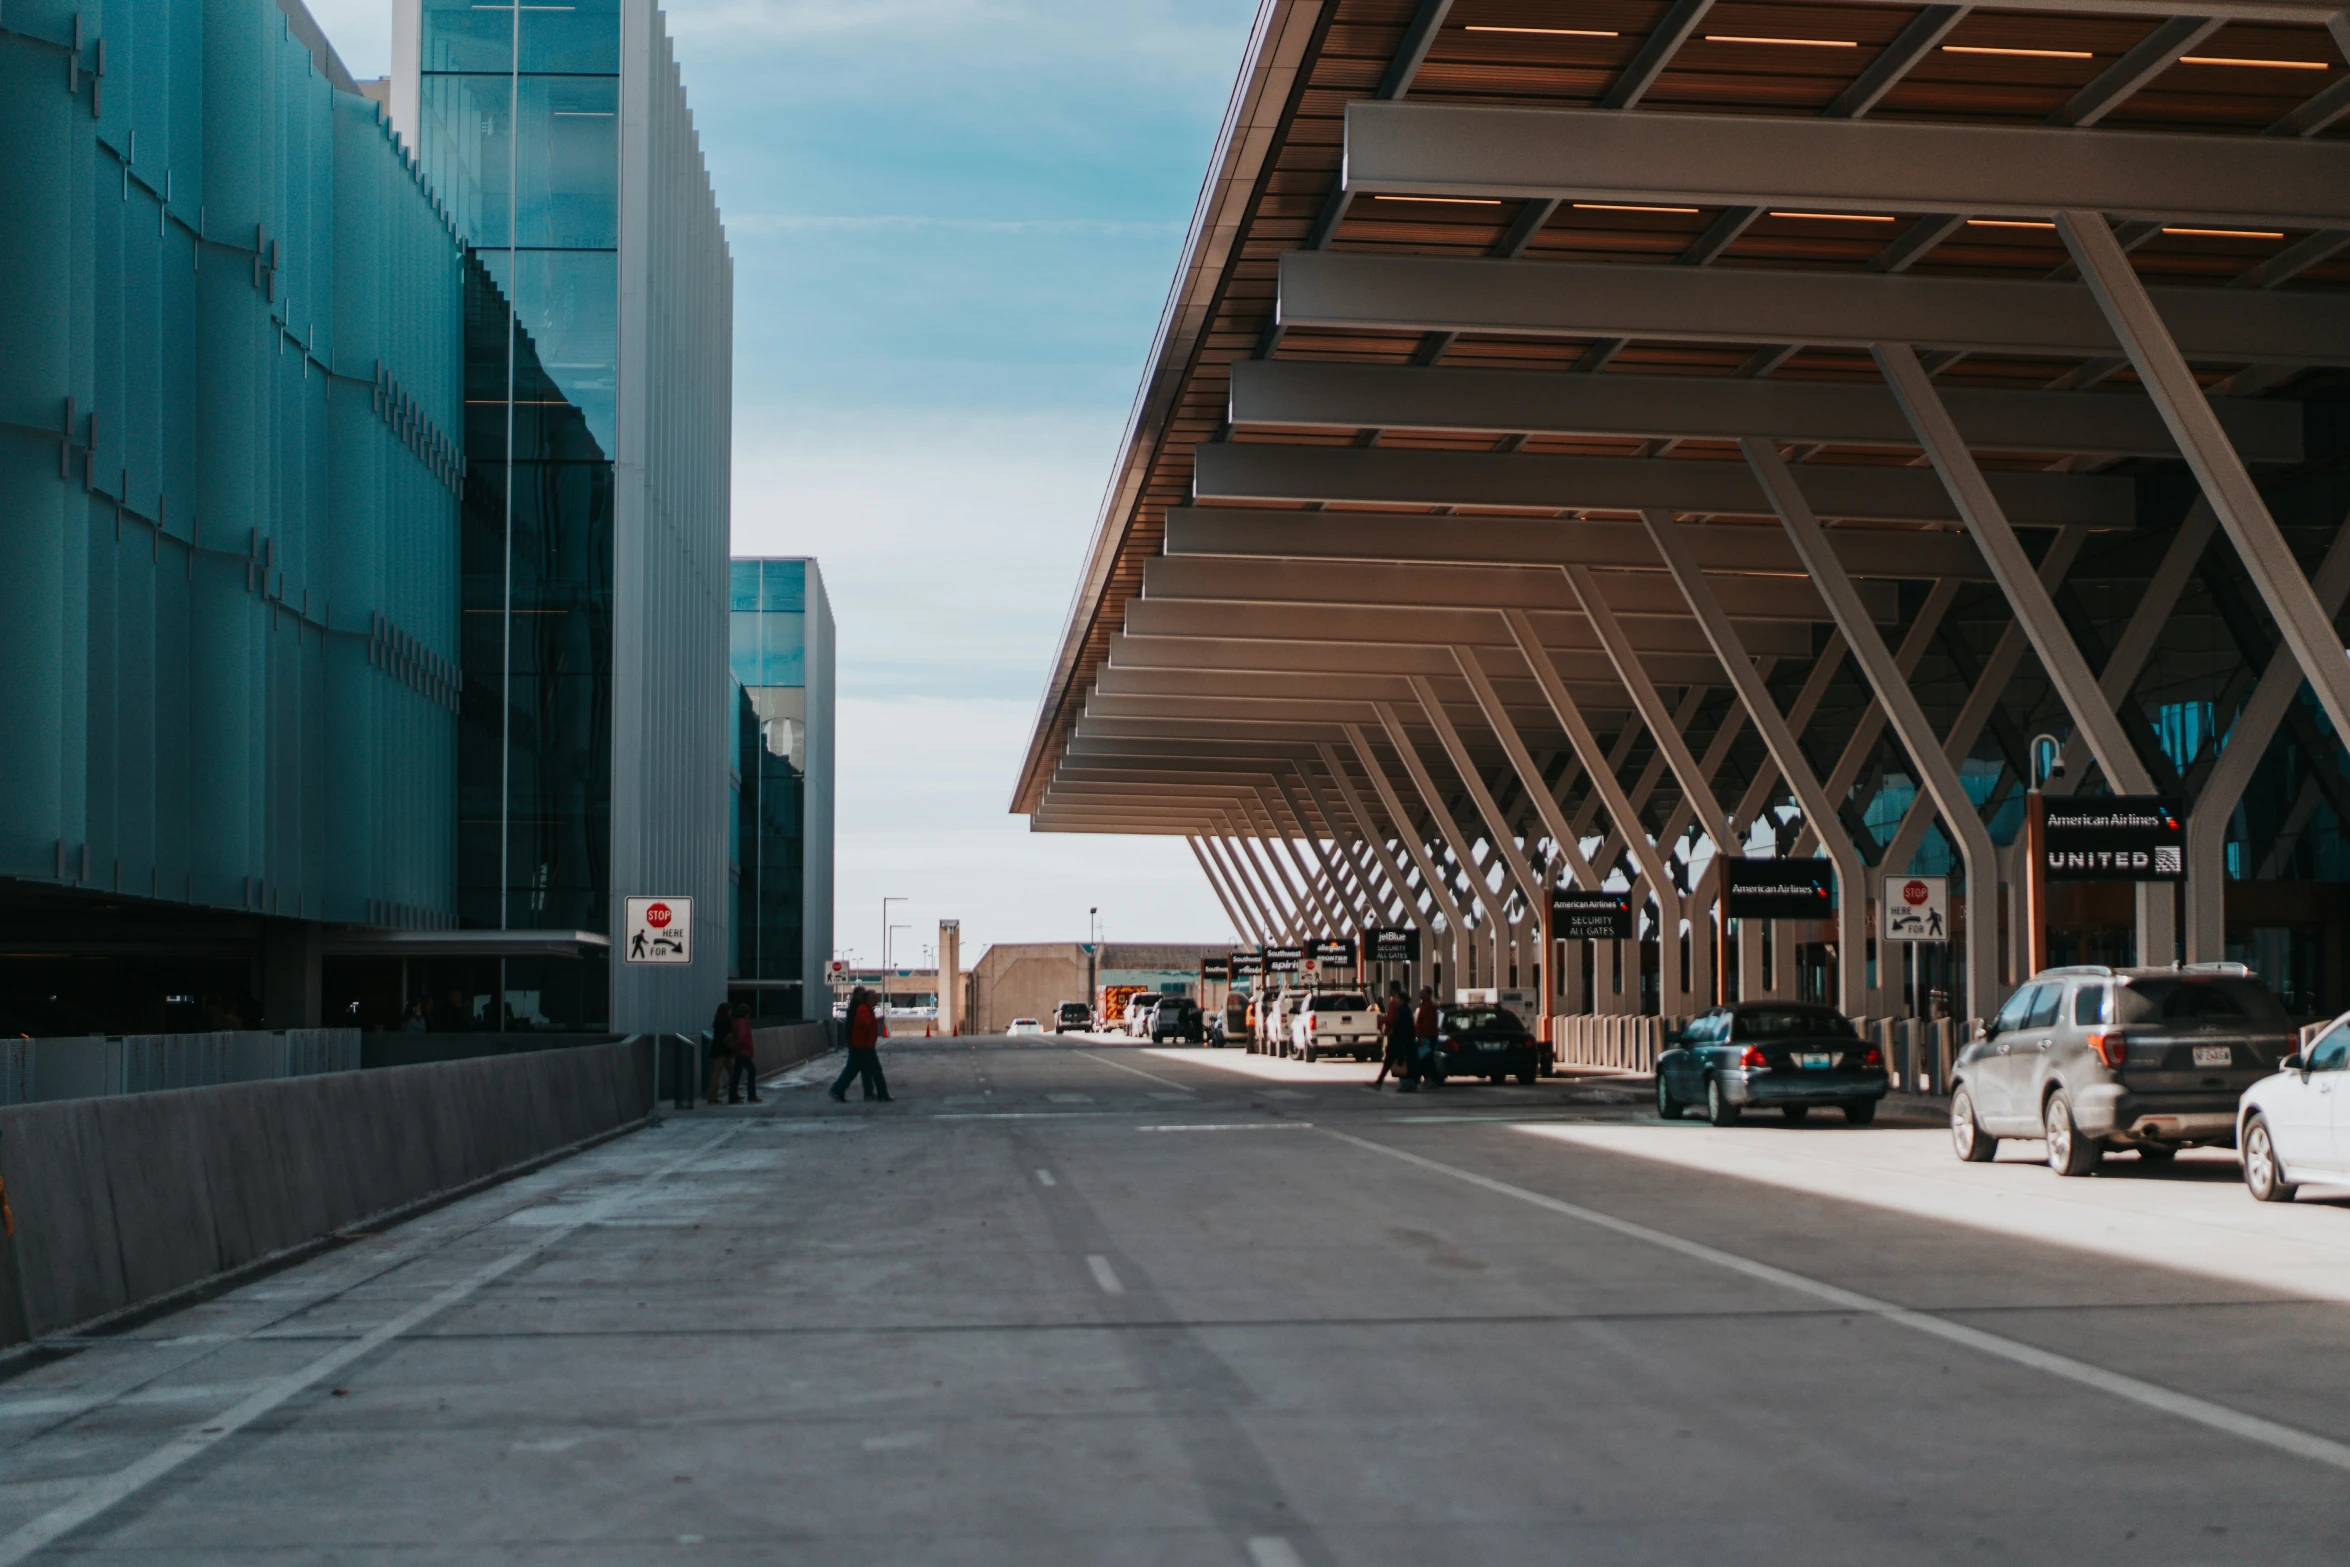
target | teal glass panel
[
  {"x": 567, "y": 303},
  {"x": 743, "y": 582},
  {"x": 461, "y": 35},
  {"x": 783, "y": 659},
  {"x": 785, "y": 585},
  {"x": 742, "y": 645},
  {"x": 468, "y": 150},
  {"x": 567, "y": 169},
  {"x": 583, "y": 36}
]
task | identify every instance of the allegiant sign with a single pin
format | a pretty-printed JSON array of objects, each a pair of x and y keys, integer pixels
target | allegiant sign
[
  {"x": 2124, "y": 837},
  {"x": 1331, "y": 950}
]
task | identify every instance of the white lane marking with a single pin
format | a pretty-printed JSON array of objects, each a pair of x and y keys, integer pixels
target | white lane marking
[
  {"x": 1270, "y": 1550},
  {"x": 1164, "y": 1082},
  {"x": 104, "y": 1492},
  {"x": 2268, "y": 1433},
  {"x": 1233, "y": 1126},
  {"x": 1045, "y": 1178},
  {"x": 1104, "y": 1275}
]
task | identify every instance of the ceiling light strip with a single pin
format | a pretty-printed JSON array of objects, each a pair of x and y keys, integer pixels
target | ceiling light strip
[
  {"x": 2229, "y": 233},
  {"x": 1836, "y": 217},
  {"x": 1546, "y": 32},
  {"x": 1792, "y": 43},
  {"x": 2265, "y": 65},
  {"x": 1626, "y": 206},
  {"x": 2021, "y": 54}
]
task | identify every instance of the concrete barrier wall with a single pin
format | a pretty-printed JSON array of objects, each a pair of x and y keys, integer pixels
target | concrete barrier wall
[
  {"x": 773, "y": 1049},
  {"x": 120, "y": 1201},
  {"x": 37, "y": 1070}
]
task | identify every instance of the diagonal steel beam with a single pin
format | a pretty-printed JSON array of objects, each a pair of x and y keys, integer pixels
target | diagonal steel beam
[{"x": 1907, "y": 716}]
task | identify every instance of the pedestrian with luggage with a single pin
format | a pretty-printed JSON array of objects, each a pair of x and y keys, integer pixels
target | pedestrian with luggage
[
  {"x": 1424, "y": 1025},
  {"x": 866, "y": 1032},
  {"x": 1395, "y": 1037}
]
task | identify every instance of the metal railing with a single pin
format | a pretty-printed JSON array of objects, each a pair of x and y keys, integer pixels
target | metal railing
[
  {"x": 1918, "y": 1051},
  {"x": 33, "y": 1071}
]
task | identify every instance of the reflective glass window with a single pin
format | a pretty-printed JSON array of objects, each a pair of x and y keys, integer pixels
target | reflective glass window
[
  {"x": 742, "y": 578},
  {"x": 568, "y": 303},
  {"x": 582, "y": 36},
  {"x": 742, "y": 646},
  {"x": 567, "y": 167},
  {"x": 461, "y": 35},
  {"x": 786, "y": 585},
  {"x": 468, "y": 150},
  {"x": 784, "y": 654}
]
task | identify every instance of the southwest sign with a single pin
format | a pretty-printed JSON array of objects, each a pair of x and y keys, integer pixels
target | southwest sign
[
  {"x": 1215, "y": 970},
  {"x": 1778, "y": 889},
  {"x": 1284, "y": 960},
  {"x": 2123, "y": 837},
  {"x": 1591, "y": 916}
]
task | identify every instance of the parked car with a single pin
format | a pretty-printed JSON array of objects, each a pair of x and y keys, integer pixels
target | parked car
[
  {"x": 2294, "y": 1128},
  {"x": 1335, "y": 1023},
  {"x": 1273, "y": 1019},
  {"x": 1025, "y": 1025},
  {"x": 1793, "y": 1057},
  {"x": 1178, "y": 1018},
  {"x": 1072, "y": 1017},
  {"x": 2094, "y": 1058},
  {"x": 1139, "y": 1006},
  {"x": 1485, "y": 1041},
  {"x": 1231, "y": 1024}
]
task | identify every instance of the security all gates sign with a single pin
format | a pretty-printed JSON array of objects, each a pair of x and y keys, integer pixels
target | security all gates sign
[
  {"x": 1591, "y": 916},
  {"x": 1391, "y": 944}
]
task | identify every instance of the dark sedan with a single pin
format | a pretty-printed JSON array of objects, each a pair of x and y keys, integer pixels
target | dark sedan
[
  {"x": 1178, "y": 1018},
  {"x": 1779, "y": 1055},
  {"x": 1487, "y": 1042}
]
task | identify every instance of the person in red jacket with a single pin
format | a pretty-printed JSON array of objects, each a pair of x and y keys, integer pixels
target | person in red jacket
[{"x": 866, "y": 1032}]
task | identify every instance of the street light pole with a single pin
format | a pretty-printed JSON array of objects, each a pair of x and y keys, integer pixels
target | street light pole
[
  {"x": 1093, "y": 947},
  {"x": 2036, "y": 853},
  {"x": 885, "y": 903}
]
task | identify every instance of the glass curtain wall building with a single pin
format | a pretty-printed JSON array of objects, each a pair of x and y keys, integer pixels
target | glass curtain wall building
[
  {"x": 231, "y": 449},
  {"x": 780, "y": 637},
  {"x": 595, "y": 516}
]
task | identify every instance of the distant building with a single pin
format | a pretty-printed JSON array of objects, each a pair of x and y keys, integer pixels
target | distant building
[
  {"x": 1030, "y": 979},
  {"x": 780, "y": 641}
]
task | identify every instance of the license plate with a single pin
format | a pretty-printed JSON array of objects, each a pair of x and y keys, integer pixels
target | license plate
[
  {"x": 2214, "y": 1055},
  {"x": 1494, "y": 1044},
  {"x": 1815, "y": 1060}
]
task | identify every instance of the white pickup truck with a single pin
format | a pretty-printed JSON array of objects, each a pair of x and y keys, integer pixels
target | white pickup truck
[{"x": 1335, "y": 1023}]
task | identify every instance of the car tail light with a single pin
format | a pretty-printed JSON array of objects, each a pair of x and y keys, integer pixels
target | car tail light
[
  {"x": 1873, "y": 1057},
  {"x": 2111, "y": 1048},
  {"x": 1753, "y": 1057}
]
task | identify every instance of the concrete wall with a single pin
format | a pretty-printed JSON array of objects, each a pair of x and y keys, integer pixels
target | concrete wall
[
  {"x": 121, "y": 1201},
  {"x": 773, "y": 1049},
  {"x": 1024, "y": 979}
]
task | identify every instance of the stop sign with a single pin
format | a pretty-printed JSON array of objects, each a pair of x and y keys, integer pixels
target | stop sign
[
  {"x": 1913, "y": 894},
  {"x": 658, "y": 916}
]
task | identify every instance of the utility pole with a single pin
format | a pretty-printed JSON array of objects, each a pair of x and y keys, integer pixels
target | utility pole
[{"x": 1093, "y": 947}]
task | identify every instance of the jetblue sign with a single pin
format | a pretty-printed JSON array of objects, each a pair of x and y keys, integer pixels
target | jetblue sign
[
  {"x": 2124, "y": 837},
  {"x": 1391, "y": 944}
]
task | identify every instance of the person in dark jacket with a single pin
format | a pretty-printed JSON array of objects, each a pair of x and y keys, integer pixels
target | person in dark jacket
[
  {"x": 866, "y": 1032},
  {"x": 746, "y": 1060},
  {"x": 1425, "y": 1021},
  {"x": 1395, "y": 1033},
  {"x": 721, "y": 1051}
]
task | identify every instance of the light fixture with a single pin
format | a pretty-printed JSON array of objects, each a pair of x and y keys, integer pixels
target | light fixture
[
  {"x": 2229, "y": 233},
  {"x": 1836, "y": 217},
  {"x": 1547, "y": 32},
  {"x": 2266, "y": 65},
  {"x": 1625, "y": 206},
  {"x": 1449, "y": 201},
  {"x": 1793, "y": 43},
  {"x": 2007, "y": 223},
  {"x": 2023, "y": 54}
]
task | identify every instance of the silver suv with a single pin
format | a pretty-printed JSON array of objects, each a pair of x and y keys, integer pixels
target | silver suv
[{"x": 2094, "y": 1058}]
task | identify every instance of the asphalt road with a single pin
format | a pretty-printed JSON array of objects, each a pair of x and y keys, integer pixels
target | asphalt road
[{"x": 1067, "y": 1303}]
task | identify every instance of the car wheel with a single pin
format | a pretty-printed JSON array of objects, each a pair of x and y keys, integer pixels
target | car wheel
[
  {"x": 1967, "y": 1136},
  {"x": 1718, "y": 1109},
  {"x": 1528, "y": 1077},
  {"x": 2070, "y": 1152},
  {"x": 2264, "y": 1177},
  {"x": 1860, "y": 1112},
  {"x": 1310, "y": 1054},
  {"x": 1667, "y": 1107},
  {"x": 1795, "y": 1115}
]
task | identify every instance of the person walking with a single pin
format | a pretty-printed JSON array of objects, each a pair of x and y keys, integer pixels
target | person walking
[
  {"x": 866, "y": 1032},
  {"x": 746, "y": 1060},
  {"x": 1395, "y": 1035},
  {"x": 1424, "y": 1024},
  {"x": 721, "y": 1051}
]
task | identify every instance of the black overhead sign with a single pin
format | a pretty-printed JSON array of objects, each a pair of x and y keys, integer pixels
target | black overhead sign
[
  {"x": 1246, "y": 963},
  {"x": 1778, "y": 889},
  {"x": 1284, "y": 960},
  {"x": 1591, "y": 916},
  {"x": 1215, "y": 969},
  {"x": 1330, "y": 950},
  {"x": 1391, "y": 944},
  {"x": 2123, "y": 837}
]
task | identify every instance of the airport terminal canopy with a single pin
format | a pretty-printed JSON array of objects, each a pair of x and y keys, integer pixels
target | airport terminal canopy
[{"x": 1589, "y": 438}]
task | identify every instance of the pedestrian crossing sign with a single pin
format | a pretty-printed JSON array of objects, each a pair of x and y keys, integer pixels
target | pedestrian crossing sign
[
  {"x": 658, "y": 930},
  {"x": 1915, "y": 908}
]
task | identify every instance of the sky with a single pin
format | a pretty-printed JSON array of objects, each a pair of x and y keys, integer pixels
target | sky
[{"x": 954, "y": 223}]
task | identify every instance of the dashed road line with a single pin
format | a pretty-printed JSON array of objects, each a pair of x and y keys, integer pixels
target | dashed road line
[
  {"x": 1105, "y": 1275},
  {"x": 1164, "y": 1082}
]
